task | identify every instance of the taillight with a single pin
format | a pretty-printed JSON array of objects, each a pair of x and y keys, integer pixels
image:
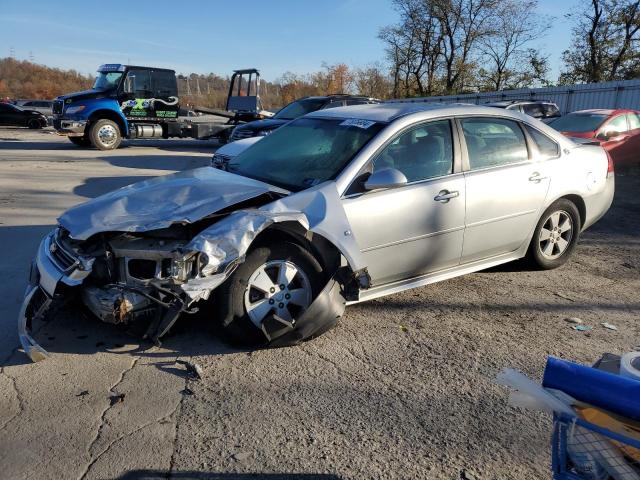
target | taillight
[{"x": 610, "y": 172}]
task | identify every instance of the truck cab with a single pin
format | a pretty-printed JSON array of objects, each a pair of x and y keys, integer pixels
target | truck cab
[{"x": 126, "y": 101}]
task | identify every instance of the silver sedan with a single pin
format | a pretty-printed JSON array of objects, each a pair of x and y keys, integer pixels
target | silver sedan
[{"x": 339, "y": 206}]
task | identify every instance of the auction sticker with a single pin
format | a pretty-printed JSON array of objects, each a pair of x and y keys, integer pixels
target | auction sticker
[{"x": 357, "y": 122}]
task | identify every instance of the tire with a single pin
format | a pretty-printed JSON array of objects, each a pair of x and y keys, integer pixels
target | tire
[
  {"x": 80, "y": 141},
  {"x": 34, "y": 124},
  {"x": 232, "y": 298},
  {"x": 105, "y": 134},
  {"x": 554, "y": 240}
]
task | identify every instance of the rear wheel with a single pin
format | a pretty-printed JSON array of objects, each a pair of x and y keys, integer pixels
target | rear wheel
[
  {"x": 556, "y": 235},
  {"x": 80, "y": 141},
  {"x": 274, "y": 281},
  {"x": 105, "y": 135}
]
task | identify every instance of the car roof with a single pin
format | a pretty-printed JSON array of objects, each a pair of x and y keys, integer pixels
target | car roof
[
  {"x": 506, "y": 103},
  {"x": 336, "y": 96},
  {"x": 390, "y": 111}
]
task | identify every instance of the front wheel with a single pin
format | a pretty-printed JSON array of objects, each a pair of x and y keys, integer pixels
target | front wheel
[
  {"x": 34, "y": 124},
  {"x": 105, "y": 135},
  {"x": 267, "y": 294},
  {"x": 555, "y": 236}
]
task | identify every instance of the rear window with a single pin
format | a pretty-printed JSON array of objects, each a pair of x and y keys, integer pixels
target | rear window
[
  {"x": 579, "y": 122},
  {"x": 493, "y": 142}
]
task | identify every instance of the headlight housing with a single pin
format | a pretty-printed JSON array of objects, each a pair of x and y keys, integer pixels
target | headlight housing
[{"x": 75, "y": 109}]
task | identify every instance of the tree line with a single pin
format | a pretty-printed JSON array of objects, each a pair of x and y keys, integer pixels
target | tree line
[{"x": 438, "y": 47}]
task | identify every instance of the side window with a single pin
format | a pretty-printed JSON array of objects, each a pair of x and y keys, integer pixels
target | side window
[
  {"x": 334, "y": 104},
  {"x": 617, "y": 124},
  {"x": 164, "y": 84},
  {"x": 493, "y": 141},
  {"x": 547, "y": 147},
  {"x": 634, "y": 120},
  {"x": 420, "y": 153},
  {"x": 138, "y": 83},
  {"x": 28, "y": 104},
  {"x": 533, "y": 109}
]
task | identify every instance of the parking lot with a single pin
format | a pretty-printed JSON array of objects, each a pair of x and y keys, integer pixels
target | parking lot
[{"x": 402, "y": 388}]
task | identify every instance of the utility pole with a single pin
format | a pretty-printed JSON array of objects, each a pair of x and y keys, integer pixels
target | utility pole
[
  {"x": 188, "y": 87},
  {"x": 198, "y": 86},
  {"x": 12, "y": 52},
  {"x": 31, "y": 59}
]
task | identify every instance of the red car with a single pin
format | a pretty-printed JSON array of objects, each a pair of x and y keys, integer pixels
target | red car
[{"x": 618, "y": 131}]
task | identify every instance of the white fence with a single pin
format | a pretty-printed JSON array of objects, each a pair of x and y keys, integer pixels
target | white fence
[{"x": 569, "y": 98}]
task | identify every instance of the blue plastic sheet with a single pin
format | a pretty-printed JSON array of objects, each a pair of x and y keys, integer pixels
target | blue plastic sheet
[{"x": 602, "y": 389}]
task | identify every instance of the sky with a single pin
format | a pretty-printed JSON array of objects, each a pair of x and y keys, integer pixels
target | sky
[{"x": 217, "y": 36}]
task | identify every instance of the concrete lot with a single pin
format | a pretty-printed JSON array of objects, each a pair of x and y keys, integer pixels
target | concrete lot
[{"x": 403, "y": 388}]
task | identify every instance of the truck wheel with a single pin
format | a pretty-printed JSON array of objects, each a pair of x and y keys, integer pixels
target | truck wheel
[
  {"x": 105, "y": 135},
  {"x": 80, "y": 141},
  {"x": 275, "y": 279}
]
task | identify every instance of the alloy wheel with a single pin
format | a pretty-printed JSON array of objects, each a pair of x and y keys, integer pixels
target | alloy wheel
[{"x": 555, "y": 235}]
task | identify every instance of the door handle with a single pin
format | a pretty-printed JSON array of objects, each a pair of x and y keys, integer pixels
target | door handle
[
  {"x": 445, "y": 195},
  {"x": 535, "y": 177}
]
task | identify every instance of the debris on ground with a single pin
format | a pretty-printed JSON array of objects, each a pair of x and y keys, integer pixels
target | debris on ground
[
  {"x": 609, "y": 326},
  {"x": 240, "y": 456},
  {"x": 82, "y": 393},
  {"x": 575, "y": 320},
  {"x": 404, "y": 329},
  {"x": 562, "y": 295},
  {"x": 116, "y": 398},
  {"x": 187, "y": 391},
  {"x": 466, "y": 475},
  {"x": 193, "y": 369},
  {"x": 582, "y": 328}
]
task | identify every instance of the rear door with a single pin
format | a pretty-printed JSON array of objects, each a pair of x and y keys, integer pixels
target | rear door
[
  {"x": 617, "y": 129},
  {"x": 632, "y": 143},
  {"x": 506, "y": 188}
]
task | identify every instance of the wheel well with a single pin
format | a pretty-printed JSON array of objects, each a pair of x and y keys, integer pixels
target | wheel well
[
  {"x": 580, "y": 205},
  {"x": 324, "y": 251},
  {"x": 110, "y": 115}
]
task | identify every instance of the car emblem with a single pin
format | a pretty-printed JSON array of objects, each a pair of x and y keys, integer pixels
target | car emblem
[{"x": 53, "y": 247}]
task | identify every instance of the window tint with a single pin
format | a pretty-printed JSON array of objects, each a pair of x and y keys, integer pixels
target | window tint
[
  {"x": 618, "y": 124},
  {"x": 533, "y": 109},
  {"x": 493, "y": 141},
  {"x": 164, "y": 84},
  {"x": 420, "y": 153},
  {"x": 634, "y": 120},
  {"x": 138, "y": 82},
  {"x": 29, "y": 104},
  {"x": 547, "y": 147}
]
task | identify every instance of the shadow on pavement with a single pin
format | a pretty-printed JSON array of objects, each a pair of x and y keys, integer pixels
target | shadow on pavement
[
  {"x": 159, "y": 474},
  {"x": 95, "y": 186}
]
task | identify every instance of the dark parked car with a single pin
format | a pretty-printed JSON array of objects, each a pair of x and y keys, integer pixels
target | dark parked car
[
  {"x": 617, "y": 131},
  {"x": 10, "y": 115},
  {"x": 45, "y": 107},
  {"x": 260, "y": 128},
  {"x": 542, "y": 110}
]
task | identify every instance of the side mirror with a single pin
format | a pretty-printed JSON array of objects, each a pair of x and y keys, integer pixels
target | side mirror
[{"x": 385, "y": 178}]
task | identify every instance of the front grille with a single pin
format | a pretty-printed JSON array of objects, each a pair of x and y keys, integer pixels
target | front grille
[
  {"x": 62, "y": 255},
  {"x": 58, "y": 105},
  {"x": 240, "y": 133}
]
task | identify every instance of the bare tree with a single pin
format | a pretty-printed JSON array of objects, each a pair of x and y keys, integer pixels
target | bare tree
[
  {"x": 507, "y": 63},
  {"x": 605, "y": 44},
  {"x": 372, "y": 81}
]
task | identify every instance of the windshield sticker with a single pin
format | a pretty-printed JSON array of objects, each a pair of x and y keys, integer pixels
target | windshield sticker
[{"x": 357, "y": 122}]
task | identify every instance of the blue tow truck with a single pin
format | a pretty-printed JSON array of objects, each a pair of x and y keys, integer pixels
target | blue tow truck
[{"x": 129, "y": 101}]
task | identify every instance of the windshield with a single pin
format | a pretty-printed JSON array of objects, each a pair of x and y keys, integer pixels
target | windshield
[
  {"x": 107, "y": 80},
  {"x": 580, "y": 123},
  {"x": 299, "y": 108},
  {"x": 305, "y": 152}
]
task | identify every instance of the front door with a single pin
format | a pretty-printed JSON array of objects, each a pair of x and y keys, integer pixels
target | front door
[
  {"x": 418, "y": 228},
  {"x": 505, "y": 188}
]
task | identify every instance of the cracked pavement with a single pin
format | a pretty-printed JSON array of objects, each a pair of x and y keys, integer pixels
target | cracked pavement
[{"x": 403, "y": 388}]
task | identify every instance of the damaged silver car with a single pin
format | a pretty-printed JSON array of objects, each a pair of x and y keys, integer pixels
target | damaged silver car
[{"x": 339, "y": 206}]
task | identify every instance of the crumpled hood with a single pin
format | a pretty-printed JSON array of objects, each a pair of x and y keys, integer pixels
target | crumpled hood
[{"x": 183, "y": 197}]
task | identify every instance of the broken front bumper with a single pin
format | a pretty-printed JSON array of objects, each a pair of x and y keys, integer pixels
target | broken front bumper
[{"x": 47, "y": 272}]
